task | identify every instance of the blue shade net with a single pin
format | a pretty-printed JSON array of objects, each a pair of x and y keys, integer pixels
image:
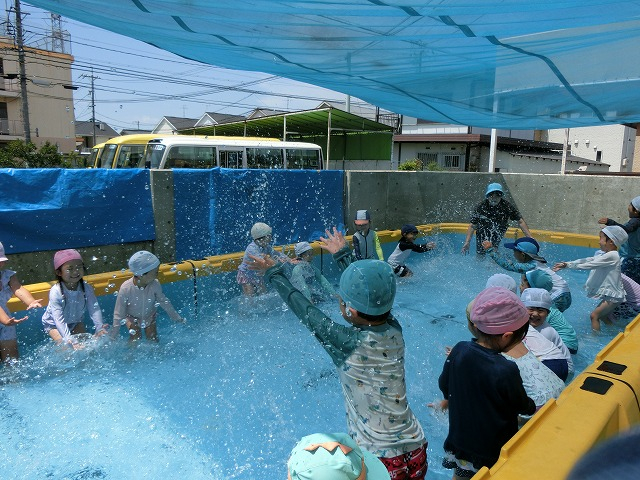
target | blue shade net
[
  {"x": 215, "y": 209},
  {"x": 51, "y": 209},
  {"x": 506, "y": 64}
]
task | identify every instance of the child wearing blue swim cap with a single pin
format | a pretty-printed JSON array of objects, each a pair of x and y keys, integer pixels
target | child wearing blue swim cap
[{"x": 368, "y": 355}]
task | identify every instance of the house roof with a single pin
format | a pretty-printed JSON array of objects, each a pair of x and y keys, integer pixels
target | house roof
[
  {"x": 304, "y": 123},
  {"x": 84, "y": 128},
  {"x": 178, "y": 123}
]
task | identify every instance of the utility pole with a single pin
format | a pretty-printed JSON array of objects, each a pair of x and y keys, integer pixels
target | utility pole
[
  {"x": 23, "y": 74},
  {"x": 93, "y": 107},
  {"x": 93, "y": 103}
]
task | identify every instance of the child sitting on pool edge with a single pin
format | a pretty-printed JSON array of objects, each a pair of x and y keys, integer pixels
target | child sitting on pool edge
[
  {"x": 306, "y": 277},
  {"x": 404, "y": 248},
  {"x": 138, "y": 298},
  {"x": 69, "y": 300},
  {"x": 605, "y": 281},
  {"x": 368, "y": 354}
]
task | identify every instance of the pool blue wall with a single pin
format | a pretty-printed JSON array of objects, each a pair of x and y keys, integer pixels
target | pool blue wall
[
  {"x": 51, "y": 209},
  {"x": 215, "y": 209}
]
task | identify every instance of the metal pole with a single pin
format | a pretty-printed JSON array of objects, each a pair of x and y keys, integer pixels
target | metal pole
[
  {"x": 492, "y": 150},
  {"x": 328, "y": 138},
  {"x": 564, "y": 151},
  {"x": 93, "y": 108},
  {"x": 23, "y": 74}
]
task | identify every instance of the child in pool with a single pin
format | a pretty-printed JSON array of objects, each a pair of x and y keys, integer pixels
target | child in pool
[
  {"x": 525, "y": 254},
  {"x": 540, "y": 279},
  {"x": 252, "y": 281},
  {"x": 538, "y": 303},
  {"x": 604, "y": 280},
  {"x": 544, "y": 350},
  {"x": 69, "y": 300},
  {"x": 630, "y": 251},
  {"x": 368, "y": 355},
  {"x": 9, "y": 286},
  {"x": 482, "y": 389},
  {"x": 366, "y": 244},
  {"x": 306, "y": 277},
  {"x": 138, "y": 298},
  {"x": 404, "y": 248}
]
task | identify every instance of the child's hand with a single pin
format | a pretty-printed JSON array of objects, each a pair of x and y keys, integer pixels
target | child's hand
[
  {"x": 261, "y": 263},
  {"x": 35, "y": 304},
  {"x": 465, "y": 248},
  {"x": 559, "y": 266},
  {"x": 447, "y": 350},
  {"x": 333, "y": 242},
  {"x": 603, "y": 221},
  {"x": 15, "y": 321},
  {"x": 441, "y": 405},
  {"x": 487, "y": 245},
  {"x": 431, "y": 245},
  {"x": 101, "y": 332}
]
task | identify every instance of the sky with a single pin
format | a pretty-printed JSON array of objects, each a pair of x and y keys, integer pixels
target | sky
[{"x": 136, "y": 84}]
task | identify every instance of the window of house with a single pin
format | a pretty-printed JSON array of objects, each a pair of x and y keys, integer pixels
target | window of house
[{"x": 599, "y": 156}]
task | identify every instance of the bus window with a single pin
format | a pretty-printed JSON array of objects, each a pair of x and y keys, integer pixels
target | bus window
[
  {"x": 153, "y": 155},
  {"x": 230, "y": 159},
  {"x": 95, "y": 155},
  {"x": 130, "y": 156},
  {"x": 265, "y": 158},
  {"x": 303, "y": 158},
  {"x": 187, "y": 156},
  {"x": 108, "y": 153}
]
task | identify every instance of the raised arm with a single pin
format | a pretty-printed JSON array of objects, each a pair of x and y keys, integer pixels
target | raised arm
[{"x": 524, "y": 227}]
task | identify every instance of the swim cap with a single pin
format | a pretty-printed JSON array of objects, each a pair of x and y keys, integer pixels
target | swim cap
[
  {"x": 302, "y": 247},
  {"x": 409, "y": 228},
  {"x": 363, "y": 215},
  {"x": 536, "y": 297},
  {"x": 539, "y": 279},
  {"x": 3, "y": 257},
  {"x": 369, "y": 286},
  {"x": 528, "y": 246},
  {"x": 497, "y": 310},
  {"x": 63, "y": 256},
  {"x": 617, "y": 234},
  {"x": 501, "y": 280},
  {"x": 493, "y": 187},
  {"x": 260, "y": 230},
  {"x": 333, "y": 456},
  {"x": 142, "y": 262},
  {"x": 636, "y": 203}
]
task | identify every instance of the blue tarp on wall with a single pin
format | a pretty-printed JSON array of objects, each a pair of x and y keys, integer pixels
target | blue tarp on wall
[
  {"x": 215, "y": 209},
  {"x": 50, "y": 209}
]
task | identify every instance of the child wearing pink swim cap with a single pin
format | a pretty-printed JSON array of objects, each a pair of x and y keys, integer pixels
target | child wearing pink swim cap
[
  {"x": 69, "y": 301},
  {"x": 483, "y": 390}
]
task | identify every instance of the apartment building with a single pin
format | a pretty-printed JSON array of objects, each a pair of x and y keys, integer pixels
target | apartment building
[{"x": 49, "y": 96}]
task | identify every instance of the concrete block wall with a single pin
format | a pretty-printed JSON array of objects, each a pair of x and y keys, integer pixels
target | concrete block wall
[{"x": 568, "y": 203}]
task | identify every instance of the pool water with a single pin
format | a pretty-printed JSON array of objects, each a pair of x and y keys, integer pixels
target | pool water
[{"x": 227, "y": 395}]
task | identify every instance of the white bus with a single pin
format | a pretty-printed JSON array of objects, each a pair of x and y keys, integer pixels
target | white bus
[{"x": 230, "y": 152}]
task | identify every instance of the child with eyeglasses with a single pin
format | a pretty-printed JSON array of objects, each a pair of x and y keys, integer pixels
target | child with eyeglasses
[{"x": 69, "y": 301}]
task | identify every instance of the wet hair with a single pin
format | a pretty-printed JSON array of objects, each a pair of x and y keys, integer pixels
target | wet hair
[{"x": 518, "y": 336}]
